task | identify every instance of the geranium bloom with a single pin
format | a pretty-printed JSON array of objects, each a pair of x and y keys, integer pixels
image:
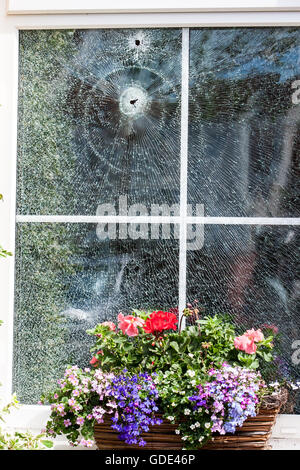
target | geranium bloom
[
  {"x": 94, "y": 360},
  {"x": 256, "y": 335},
  {"x": 160, "y": 321},
  {"x": 247, "y": 341},
  {"x": 244, "y": 343},
  {"x": 110, "y": 325},
  {"x": 129, "y": 324}
]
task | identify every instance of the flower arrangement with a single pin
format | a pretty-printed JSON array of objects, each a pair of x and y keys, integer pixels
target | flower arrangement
[
  {"x": 85, "y": 397},
  {"x": 204, "y": 379}
]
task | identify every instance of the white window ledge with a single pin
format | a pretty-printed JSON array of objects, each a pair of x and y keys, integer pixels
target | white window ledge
[{"x": 285, "y": 434}]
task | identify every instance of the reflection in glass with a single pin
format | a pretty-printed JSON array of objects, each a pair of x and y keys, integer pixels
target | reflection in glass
[
  {"x": 251, "y": 273},
  {"x": 244, "y": 138},
  {"x": 99, "y": 117},
  {"x": 68, "y": 280}
]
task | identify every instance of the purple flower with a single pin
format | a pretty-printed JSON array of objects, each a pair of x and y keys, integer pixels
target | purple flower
[{"x": 230, "y": 396}]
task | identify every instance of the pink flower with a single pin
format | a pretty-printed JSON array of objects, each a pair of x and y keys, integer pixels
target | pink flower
[
  {"x": 129, "y": 324},
  {"x": 86, "y": 443},
  {"x": 80, "y": 420},
  {"x": 110, "y": 325},
  {"x": 245, "y": 343},
  {"x": 67, "y": 422},
  {"x": 71, "y": 402},
  {"x": 255, "y": 335}
]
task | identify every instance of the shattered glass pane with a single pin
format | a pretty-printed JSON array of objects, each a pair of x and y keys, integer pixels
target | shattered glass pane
[
  {"x": 99, "y": 120},
  {"x": 69, "y": 278},
  {"x": 252, "y": 274},
  {"x": 99, "y": 117},
  {"x": 244, "y": 124}
]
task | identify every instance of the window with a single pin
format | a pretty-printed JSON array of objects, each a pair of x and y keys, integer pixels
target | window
[
  {"x": 104, "y": 131},
  {"x": 222, "y": 126}
]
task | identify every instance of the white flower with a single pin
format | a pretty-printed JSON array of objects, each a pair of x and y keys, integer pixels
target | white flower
[
  {"x": 191, "y": 373},
  {"x": 192, "y": 426},
  {"x": 197, "y": 424},
  {"x": 187, "y": 411},
  {"x": 191, "y": 355},
  {"x": 274, "y": 384},
  {"x": 173, "y": 404},
  {"x": 201, "y": 438},
  {"x": 177, "y": 431},
  {"x": 193, "y": 382},
  {"x": 184, "y": 438},
  {"x": 170, "y": 418},
  {"x": 207, "y": 425}
]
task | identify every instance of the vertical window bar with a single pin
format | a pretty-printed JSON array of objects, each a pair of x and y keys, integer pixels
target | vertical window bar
[{"x": 183, "y": 169}]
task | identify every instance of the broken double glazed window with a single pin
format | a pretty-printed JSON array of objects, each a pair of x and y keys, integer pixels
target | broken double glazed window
[{"x": 103, "y": 118}]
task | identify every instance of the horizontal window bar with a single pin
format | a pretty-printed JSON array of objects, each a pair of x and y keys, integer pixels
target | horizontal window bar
[{"x": 118, "y": 219}]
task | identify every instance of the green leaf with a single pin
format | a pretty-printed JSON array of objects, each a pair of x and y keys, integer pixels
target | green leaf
[
  {"x": 46, "y": 443},
  {"x": 174, "y": 345}
]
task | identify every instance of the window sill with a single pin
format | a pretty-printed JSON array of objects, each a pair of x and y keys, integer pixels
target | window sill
[{"x": 285, "y": 435}]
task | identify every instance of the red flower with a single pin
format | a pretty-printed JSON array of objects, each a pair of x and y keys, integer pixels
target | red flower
[
  {"x": 160, "y": 321},
  {"x": 94, "y": 361}
]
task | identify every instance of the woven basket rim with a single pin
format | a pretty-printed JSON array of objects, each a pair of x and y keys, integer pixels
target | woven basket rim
[{"x": 275, "y": 400}]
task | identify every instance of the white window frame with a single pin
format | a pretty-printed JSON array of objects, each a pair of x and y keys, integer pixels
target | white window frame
[
  {"x": 38, "y": 7},
  {"x": 32, "y": 416}
]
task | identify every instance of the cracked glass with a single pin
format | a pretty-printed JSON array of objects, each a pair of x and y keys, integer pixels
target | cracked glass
[
  {"x": 99, "y": 122},
  {"x": 244, "y": 121}
]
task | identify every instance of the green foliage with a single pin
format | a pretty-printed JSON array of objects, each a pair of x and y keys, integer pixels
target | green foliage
[
  {"x": 20, "y": 440},
  {"x": 3, "y": 252},
  {"x": 209, "y": 342},
  {"x": 178, "y": 362}
]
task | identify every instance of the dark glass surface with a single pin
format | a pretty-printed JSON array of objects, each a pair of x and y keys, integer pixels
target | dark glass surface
[
  {"x": 68, "y": 280},
  {"x": 244, "y": 139},
  {"x": 251, "y": 273}
]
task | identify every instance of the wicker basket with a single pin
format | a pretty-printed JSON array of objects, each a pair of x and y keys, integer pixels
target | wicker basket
[{"x": 253, "y": 435}]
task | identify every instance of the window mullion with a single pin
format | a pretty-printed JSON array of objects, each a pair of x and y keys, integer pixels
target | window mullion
[{"x": 183, "y": 168}]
